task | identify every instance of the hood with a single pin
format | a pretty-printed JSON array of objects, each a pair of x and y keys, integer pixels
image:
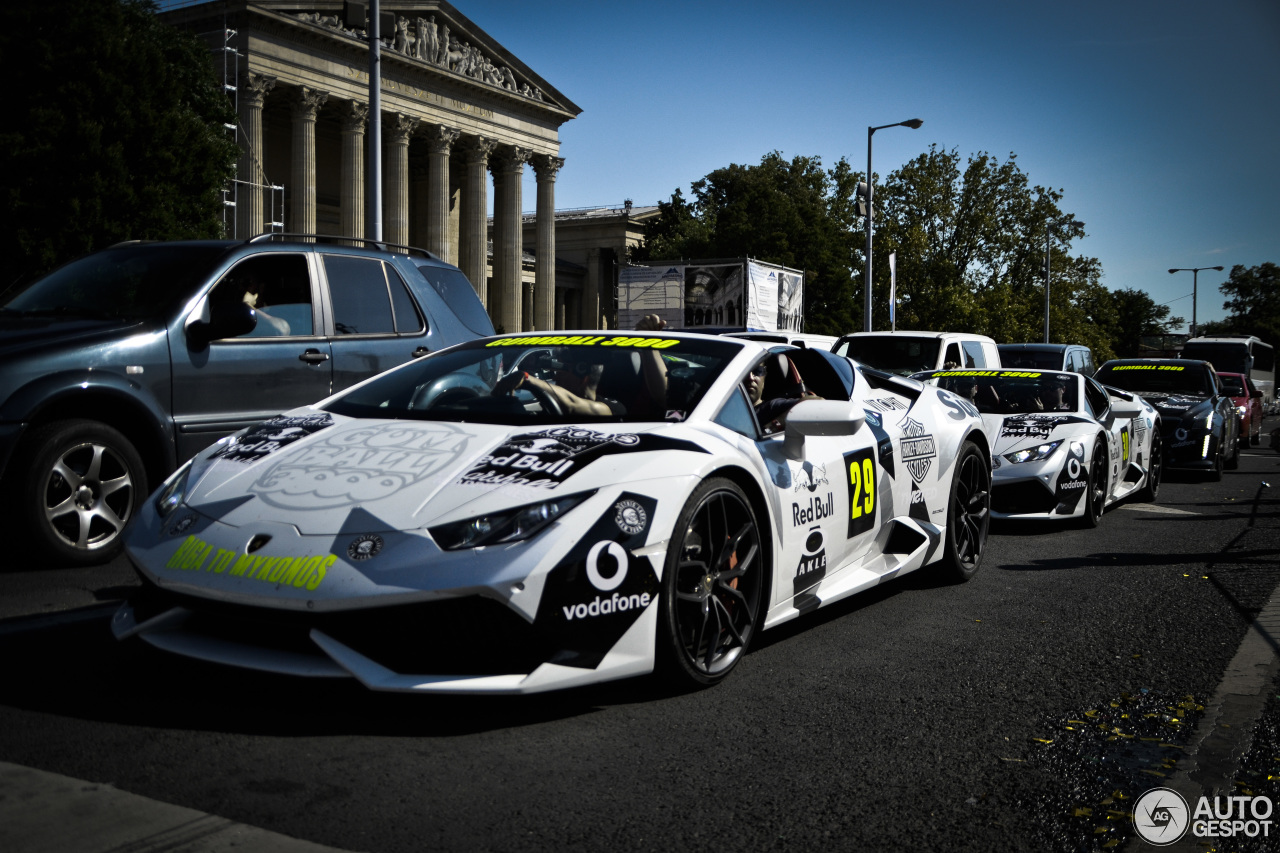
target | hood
[
  {"x": 26, "y": 334},
  {"x": 1010, "y": 433},
  {"x": 316, "y": 470},
  {"x": 1179, "y": 405}
]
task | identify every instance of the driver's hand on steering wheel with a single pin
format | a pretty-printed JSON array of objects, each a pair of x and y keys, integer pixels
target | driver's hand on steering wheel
[{"x": 510, "y": 382}]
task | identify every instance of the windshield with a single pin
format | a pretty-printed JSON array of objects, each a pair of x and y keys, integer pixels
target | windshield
[
  {"x": 892, "y": 353},
  {"x": 1009, "y": 392},
  {"x": 1158, "y": 378},
  {"x": 1035, "y": 359},
  {"x": 1232, "y": 385},
  {"x": 548, "y": 379},
  {"x": 1232, "y": 358},
  {"x": 132, "y": 282}
]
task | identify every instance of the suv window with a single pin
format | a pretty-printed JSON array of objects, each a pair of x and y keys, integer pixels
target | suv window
[
  {"x": 277, "y": 286},
  {"x": 361, "y": 299},
  {"x": 459, "y": 295},
  {"x": 973, "y": 356}
]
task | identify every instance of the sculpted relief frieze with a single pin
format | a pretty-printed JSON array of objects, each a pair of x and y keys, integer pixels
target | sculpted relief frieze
[
  {"x": 422, "y": 94},
  {"x": 432, "y": 43}
]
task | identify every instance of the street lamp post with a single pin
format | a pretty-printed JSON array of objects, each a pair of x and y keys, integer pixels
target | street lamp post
[
  {"x": 1048, "y": 232},
  {"x": 866, "y": 312},
  {"x": 1195, "y": 274}
]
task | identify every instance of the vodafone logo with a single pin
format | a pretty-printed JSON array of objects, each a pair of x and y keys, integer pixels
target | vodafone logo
[
  {"x": 606, "y": 556},
  {"x": 619, "y": 555}
]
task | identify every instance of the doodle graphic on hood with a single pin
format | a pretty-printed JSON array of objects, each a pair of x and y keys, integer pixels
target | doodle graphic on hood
[
  {"x": 545, "y": 459},
  {"x": 269, "y": 436},
  {"x": 359, "y": 465}
]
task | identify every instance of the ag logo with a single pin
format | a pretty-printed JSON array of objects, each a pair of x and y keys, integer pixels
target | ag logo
[
  {"x": 1160, "y": 816},
  {"x": 630, "y": 518},
  {"x": 364, "y": 547},
  {"x": 603, "y": 553}
]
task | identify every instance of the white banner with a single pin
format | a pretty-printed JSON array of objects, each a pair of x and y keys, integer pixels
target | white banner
[
  {"x": 651, "y": 290},
  {"x": 893, "y": 289}
]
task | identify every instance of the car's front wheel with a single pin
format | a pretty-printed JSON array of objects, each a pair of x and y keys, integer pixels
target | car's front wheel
[
  {"x": 84, "y": 482},
  {"x": 968, "y": 513},
  {"x": 712, "y": 585},
  {"x": 1095, "y": 487}
]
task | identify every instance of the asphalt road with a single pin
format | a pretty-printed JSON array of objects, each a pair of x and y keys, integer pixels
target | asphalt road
[{"x": 1003, "y": 714}]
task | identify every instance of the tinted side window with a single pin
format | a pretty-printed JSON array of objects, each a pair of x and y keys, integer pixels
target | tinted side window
[
  {"x": 737, "y": 415},
  {"x": 407, "y": 317},
  {"x": 460, "y": 296},
  {"x": 973, "y": 356},
  {"x": 953, "y": 356},
  {"x": 358, "y": 286},
  {"x": 277, "y": 286},
  {"x": 1096, "y": 398}
]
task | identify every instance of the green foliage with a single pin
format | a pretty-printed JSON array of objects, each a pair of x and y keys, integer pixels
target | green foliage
[
  {"x": 970, "y": 242},
  {"x": 115, "y": 132},
  {"x": 1253, "y": 298}
]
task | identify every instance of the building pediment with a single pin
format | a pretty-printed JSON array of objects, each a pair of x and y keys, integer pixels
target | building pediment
[{"x": 436, "y": 38}]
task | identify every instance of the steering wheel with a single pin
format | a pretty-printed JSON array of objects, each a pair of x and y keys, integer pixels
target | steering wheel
[{"x": 549, "y": 402}]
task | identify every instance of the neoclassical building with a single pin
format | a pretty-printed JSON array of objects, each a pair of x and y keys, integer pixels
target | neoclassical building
[{"x": 456, "y": 110}]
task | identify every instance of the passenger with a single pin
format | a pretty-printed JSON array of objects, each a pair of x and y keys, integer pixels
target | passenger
[{"x": 771, "y": 412}]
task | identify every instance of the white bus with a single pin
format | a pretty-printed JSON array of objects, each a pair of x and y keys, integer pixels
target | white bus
[{"x": 1239, "y": 354}]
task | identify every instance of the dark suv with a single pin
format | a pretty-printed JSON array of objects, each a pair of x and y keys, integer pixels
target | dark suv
[{"x": 119, "y": 366}]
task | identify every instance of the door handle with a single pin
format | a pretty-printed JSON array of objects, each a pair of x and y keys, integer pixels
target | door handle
[
  {"x": 314, "y": 356},
  {"x": 420, "y": 352}
]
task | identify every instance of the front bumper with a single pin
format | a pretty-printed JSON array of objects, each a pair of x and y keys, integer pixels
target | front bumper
[{"x": 1194, "y": 451}]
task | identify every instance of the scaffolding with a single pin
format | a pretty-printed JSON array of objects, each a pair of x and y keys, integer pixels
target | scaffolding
[{"x": 231, "y": 56}]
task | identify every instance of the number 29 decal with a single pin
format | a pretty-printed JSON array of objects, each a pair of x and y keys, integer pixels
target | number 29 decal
[{"x": 860, "y": 473}]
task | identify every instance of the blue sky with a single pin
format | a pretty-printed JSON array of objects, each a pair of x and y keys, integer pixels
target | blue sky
[{"x": 1157, "y": 120}]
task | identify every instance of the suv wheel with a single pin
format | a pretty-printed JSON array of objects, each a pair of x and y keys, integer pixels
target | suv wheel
[{"x": 85, "y": 482}]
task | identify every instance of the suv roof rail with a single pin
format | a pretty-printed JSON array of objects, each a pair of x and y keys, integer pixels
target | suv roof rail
[{"x": 334, "y": 239}]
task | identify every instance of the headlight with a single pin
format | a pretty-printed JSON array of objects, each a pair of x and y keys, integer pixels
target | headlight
[
  {"x": 173, "y": 492},
  {"x": 1240, "y": 410},
  {"x": 500, "y": 528},
  {"x": 1033, "y": 454}
]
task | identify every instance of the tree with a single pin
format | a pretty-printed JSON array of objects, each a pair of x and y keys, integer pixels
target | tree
[
  {"x": 779, "y": 212},
  {"x": 115, "y": 132},
  {"x": 1253, "y": 298},
  {"x": 1138, "y": 316}
]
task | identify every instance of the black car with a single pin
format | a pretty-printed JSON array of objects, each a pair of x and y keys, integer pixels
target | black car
[
  {"x": 119, "y": 366},
  {"x": 1200, "y": 424}
]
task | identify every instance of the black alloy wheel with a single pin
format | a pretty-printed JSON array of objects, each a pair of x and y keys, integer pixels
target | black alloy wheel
[
  {"x": 1155, "y": 469},
  {"x": 1096, "y": 486},
  {"x": 712, "y": 585},
  {"x": 968, "y": 513}
]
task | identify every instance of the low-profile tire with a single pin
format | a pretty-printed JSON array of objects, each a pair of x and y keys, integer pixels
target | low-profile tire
[
  {"x": 1215, "y": 473},
  {"x": 713, "y": 585},
  {"x": 1255, "y": 438},
  {"x": 1234, "y": 462},
  {"x": 968, "y": 514},
  {"x": 84, "y": 483},
  {"x": 1095, "y": 487},
  {"x": 1155, "y": 469}
]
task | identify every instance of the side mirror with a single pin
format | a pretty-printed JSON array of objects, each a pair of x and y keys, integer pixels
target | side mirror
[
  {"x": 1255, "y": 394},
  {"x": 1125, "y": 410},
  {"x": 225, "y": 320},
  {"x": 819, "y": 417}
]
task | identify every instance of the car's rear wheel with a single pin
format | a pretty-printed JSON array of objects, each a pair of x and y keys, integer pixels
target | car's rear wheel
[
  {"x": 968, "y": 513},
  {"x": 1095, "y": 488},
  {"x": 713, "y": 585},
  {"x": 84, "y": 483},
  {"x": 1155, "y": 469}
]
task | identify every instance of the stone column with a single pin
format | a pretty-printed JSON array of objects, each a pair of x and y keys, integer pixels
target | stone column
[
  {"x": 526, "y": 306},
  {"x": 474, "y": 237},
  {"x": 419, "y": 201},
  {"x": 302, "y": 214},
  {"x": 354, "y": 116},
  {"x": 544, "y": 294},
  {"x": 396, "y": 210},
  {"x": 250, "y": 216},
  {"x": 590, "y": 304},
  {"x": 507, "y": 237},
  {"x": 440, "y": 140}
]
